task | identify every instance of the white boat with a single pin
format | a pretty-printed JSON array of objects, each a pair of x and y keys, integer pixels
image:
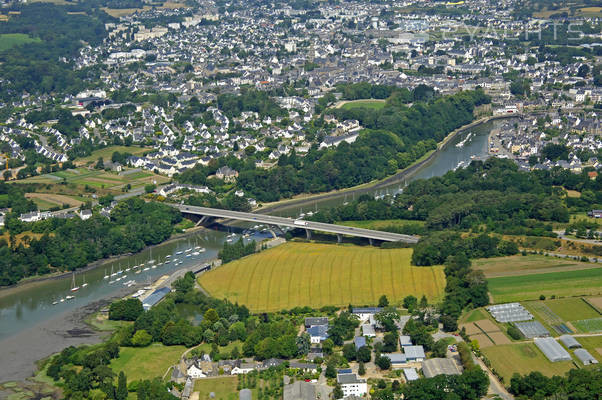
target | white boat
[
  {"x": 85, "y": 283},
  {"x": 202, "y": 250},
  {"x": 112, "y": 273},
  {"x": 106, "y": 276},
  {"x": 196, "y": 253},
  {"x": 73, "y": 287},
  {"x": 111, "y": 282},
  {"x": 127, "y": 269},
  {"x": 154, "y": 266},
  {"x": 179, "y": 252},
  {"x": 138, "y": 271},
  {"x": 69, "y": 297},
  {"x": 54, "y": 303},
  {"x": 146, "y": 269},
  {"x": 62, "y": 300},
  {"x": 168, "y": 256}
]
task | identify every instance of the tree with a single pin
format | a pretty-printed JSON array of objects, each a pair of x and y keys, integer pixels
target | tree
[
  {"x": 122, "y": 390},
  {"x": 100, "y": 164},
  {"x": 361, "y": 369},
  {"x": 390, "y": 342},
  {"x": 410, "y": 303},
  {"x": 141, "y": 338},
  {"x": 327, "y": 346},
  {"x": 150, "y": 188},
  {"x": 364, "y": 354},
  {"x": 383, "y": 301},
  {"x": 439, "y": 348},
  {"x": 303, "y": 344},
  {"x": 349, "y": 351},
  {"x": 383, "y": 362},
  {"x": 211, "y": 316},
  {"x": 337, "y": 393},
  {"x": 125, "y": 310},
  {"x": 330, "y": 372},
  {"x": 388, "y": 318}
]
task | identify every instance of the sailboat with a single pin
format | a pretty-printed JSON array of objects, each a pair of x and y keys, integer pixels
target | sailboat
[
  {"x": 112, "y": 273},
  {"x": 151, "y": 261},
  {"x": 85, "y": 283},
  {"x": 73, "y": 287},
  {"x": 106, "y": 276}
]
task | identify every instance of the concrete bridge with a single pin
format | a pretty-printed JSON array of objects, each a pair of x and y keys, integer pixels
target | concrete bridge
[{"x": 308, "y": 226}]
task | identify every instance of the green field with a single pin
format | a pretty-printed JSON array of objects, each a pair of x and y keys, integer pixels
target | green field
[
  {"x": 146, "y": 362},
  {"x": 225, "y": 388},
  {"x": 561, "y": 284},
  {"x": 107, "y": 153},
  {"x": 9, "y": 40},
  {"x": 592, "y": 325},
  {"x": 572, "y": 309},
  {"x": 315, "y": 275},
  {"x": 374, "y": 104},
  {"x": 527, "y": 265},
  {"x": 523, "y": 358}
]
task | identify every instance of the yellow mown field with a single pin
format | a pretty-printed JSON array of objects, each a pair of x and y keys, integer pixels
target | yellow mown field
[{"x": 315, "y": 275}]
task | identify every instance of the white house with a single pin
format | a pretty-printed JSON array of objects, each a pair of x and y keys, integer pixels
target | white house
[
  {"x": 244, "y": 368},
  {"x": 351, "y": 385},
  {"x": 194, "y": 372}
]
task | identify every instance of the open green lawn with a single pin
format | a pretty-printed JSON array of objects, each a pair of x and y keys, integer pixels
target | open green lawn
[
  {"x": 572, "y": 309},
  {"x": 374, "y": 104},
  {"x": 561, "y": 284},
  {"x": 9, "y": 40},
  {"x": 43, "y": 204},
  {"x": 474, "y": 315},
  {"x": 225, "y": 388},
  {"x": 527, "y": 265},
  {"x": 381, "y": 223},
  {"x": 146, "y": 362},
  {"x": 315, "y": 275},
  {"x": 107, "y": 153},
  {"x": 592, "y": 325},
  {"x": 523, "y": 358}
]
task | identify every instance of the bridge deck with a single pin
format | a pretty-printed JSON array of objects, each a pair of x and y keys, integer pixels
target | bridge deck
[{"x": 302, "y": 224}]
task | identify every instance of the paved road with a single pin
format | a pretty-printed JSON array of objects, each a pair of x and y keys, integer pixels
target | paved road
[{"x": 289, "y": 222}]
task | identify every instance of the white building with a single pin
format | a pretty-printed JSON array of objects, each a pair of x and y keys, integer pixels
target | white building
[
  {"x": 351, "y": 385},
  {"x": 194, "y": 372}
]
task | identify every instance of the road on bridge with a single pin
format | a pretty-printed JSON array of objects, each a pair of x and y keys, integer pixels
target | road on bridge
[{"x": 298, "y": 223}]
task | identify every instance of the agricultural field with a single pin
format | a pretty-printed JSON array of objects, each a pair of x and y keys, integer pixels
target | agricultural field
[
  {"x": 523, "y": 358},
  {"x": 10, "y": 40},
  {"x": 572, "y": 309},
  {"x": 561, "y": 284},
  {"x": 593, "y": 344},
  {"x": 315, "y": 275},
  {"x": 225, "y": 388},
  {"x": 373, "y": 104},
  {"x": 110, "y": 182},
  {"x": 146, "y": 362},
  {"x": 107, "y": 153},
  {"x": 527, "y": 265},
  {"x": 45, "y": 201}
]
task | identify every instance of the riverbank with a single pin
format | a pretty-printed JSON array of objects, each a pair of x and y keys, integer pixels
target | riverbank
[
  {"x": 304, "y": 200},
  {"x": 23, "y": 351},
  {"x": 30, "y": 282}
]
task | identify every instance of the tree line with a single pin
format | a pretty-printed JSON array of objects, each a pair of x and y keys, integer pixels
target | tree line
[{"x": 67, "y": 244}]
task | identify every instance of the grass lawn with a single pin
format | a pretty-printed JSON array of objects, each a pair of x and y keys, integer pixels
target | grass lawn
[
  {"x": 561, "y": 284},
  {"x": 206, "y": 347},
  {"x": 146, "y": 362},
  {"x": 103, "y": 323},
  {"x": 315, "y": 275},
  {"x": 225, "y": 388},
  {"x": 527, "y": 265},
  {"x": 373, "y": 104},
  {"x": 475, "y": 315},
  {"x": 9, "y": 40},
  {"x": 107, "y": 153},
  {"x": 592, "y": 325},
  {"x": 523, "y": 358},
  {"x": 379, "y": 224},
  {"x": 572, "y": 309}
]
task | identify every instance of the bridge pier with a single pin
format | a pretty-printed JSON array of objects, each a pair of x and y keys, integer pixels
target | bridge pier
[
  {"x": 339, "y": 238},
  {"x": 202, "y": 220},
  {"x": 308, "y": 234}
]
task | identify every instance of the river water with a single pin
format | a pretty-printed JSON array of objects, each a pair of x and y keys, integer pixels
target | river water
[{"x": 25, "y": 307}]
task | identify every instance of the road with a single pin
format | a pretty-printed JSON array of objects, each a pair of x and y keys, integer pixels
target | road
[{"x": 289, "y": 222}]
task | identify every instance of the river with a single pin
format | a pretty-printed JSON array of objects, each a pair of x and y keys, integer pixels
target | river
[{"x": 27, "y": 310}]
